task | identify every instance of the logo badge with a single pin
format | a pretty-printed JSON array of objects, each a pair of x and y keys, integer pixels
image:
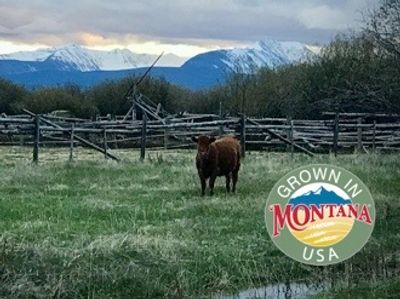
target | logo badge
[{"x": 320, "y": 214}]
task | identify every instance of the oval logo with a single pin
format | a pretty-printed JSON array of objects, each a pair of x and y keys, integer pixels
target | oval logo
[{"x": 320, "y": 214}]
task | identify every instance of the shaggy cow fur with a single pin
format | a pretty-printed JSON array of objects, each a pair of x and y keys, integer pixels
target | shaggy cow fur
[{"x": 217, "y": 158}]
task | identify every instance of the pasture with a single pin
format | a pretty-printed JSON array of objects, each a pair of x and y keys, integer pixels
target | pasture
[{"x": 95, "y": 228}]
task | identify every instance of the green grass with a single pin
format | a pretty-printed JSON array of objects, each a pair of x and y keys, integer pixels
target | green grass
[
  {"x": 385, "y": 289},
  {"x": 95, "y": 228}
]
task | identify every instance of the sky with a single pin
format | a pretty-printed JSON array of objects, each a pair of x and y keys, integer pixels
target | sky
[{"x": 181, "y": 27}]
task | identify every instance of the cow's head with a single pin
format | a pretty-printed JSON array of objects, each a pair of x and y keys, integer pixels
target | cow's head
[{"x": 203, "y": 144}]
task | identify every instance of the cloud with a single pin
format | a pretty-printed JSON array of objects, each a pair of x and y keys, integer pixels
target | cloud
[
  {"x": 323, "y": 17},
  {"x": 11, "y": 19},
  {"x": 198, "y": 22}
]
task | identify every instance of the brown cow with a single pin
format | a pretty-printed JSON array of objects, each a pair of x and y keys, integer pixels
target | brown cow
[{"x": 217, "y": 158}]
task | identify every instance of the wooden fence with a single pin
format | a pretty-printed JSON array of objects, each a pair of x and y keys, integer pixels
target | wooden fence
[{"x": 334, "y": 132}]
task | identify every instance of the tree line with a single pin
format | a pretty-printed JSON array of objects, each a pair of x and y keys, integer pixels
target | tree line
[{"x": 356, "y": 72}]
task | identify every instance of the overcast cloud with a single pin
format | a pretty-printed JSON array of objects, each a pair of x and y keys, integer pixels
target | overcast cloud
[{"x": 195, "y": 22}]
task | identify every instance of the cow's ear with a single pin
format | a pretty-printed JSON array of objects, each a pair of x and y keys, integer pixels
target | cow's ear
[
  {"x": 212, "y": 139},
  {"x": 195, "y": 139}
]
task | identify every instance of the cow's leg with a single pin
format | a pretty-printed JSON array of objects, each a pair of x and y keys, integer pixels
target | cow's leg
[
  {"x": 212, "y": 181},
  {"x": 235, "y": 175},
  {"x": 228, "y": 183},
  {"x": 203, "y": 185}
]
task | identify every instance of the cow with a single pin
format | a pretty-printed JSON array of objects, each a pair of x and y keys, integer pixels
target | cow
[{"x": 217, "y": 158}]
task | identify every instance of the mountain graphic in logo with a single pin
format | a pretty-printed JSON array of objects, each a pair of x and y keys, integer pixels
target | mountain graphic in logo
[{"x": 321, "y": 196}]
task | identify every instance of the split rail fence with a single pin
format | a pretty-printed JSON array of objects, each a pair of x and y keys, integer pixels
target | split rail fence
[{"x": 334, "y": 132}]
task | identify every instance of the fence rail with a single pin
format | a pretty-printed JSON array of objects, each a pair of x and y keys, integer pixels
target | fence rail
[{"x": 335, "y": 133}]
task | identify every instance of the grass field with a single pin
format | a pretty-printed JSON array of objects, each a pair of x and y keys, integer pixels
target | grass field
[{"x": 94, "y": 228}]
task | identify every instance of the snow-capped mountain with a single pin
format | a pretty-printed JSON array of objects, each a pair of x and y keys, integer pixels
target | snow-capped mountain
[
  {"x": 76, "y": 57},
  {"x": 319, "y": 197},
  {"x": 38, "y": 55},
  {"x": 267, "y": 53}
]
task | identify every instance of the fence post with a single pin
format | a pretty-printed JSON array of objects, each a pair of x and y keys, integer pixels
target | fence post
[
  {"x": 36, "y": 142},
  {"x": 71, "y": 143},
  {"x": 374, "y": 136},
  {"x": 105, "y": 143},
  {"x": 336, "y": 134},
  {"x": 243, "y": 135},
  {"x": 166, "y": 135},
  {"x": 359, "y": 134},
  {"x": 133, "y": 112},
  {"x": 290, "y": 135},
  {"x": 143, "y": 139},
  {"x": 21, "y": 140},
  {"x": 221, "y": 127}
]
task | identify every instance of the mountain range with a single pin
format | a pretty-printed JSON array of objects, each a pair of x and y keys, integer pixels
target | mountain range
[
  {"x": 318, "y": 197},
  {"x": 73, "y": 63}
]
